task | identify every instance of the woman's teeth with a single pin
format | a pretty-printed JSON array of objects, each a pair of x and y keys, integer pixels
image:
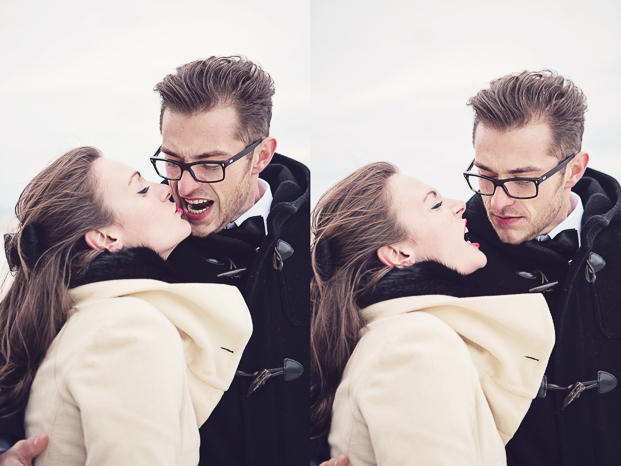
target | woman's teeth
[{"x": 197, "y": 206}]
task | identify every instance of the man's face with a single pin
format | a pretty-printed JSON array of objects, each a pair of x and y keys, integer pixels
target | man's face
[
  {"x": 521, "y": 153},
  {"x": 209, "y": 136}
]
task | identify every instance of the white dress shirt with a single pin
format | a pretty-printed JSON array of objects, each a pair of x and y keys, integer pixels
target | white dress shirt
[
  {"x": 572, "y": 222},
  {"x": 261, "y": 207}
]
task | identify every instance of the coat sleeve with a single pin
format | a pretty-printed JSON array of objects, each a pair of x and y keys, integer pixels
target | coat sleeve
[
  {"x": 417, "y": 396},
  {"x": 128, "y": 383}
]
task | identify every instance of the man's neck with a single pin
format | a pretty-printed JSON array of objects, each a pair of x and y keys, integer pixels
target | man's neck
[
  {"x": 573, "y": 220},
  {"x": 261, "y": 206}
]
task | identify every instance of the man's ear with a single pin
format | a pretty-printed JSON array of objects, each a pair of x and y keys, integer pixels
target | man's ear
[
  {"x": 395, "y": 256},
  {"x": 576, "y": 169},
  {"x": 101, "y": 239},
  {"x": 263, "y": 155}
]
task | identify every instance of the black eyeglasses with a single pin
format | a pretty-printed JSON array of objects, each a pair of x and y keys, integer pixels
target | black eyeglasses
[
  {"x": 203, "y": 172},
  {"x": 517, "y": 188}
]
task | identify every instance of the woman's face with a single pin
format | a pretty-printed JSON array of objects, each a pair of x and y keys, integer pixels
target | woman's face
[
  {"x": 143, "y": 214},
  {"x": 435, "y": 227}
]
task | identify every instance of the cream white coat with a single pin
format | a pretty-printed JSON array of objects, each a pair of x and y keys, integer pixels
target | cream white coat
[
  {"x": 438, "y": 380},
  {"x": 137, "y": 368}
]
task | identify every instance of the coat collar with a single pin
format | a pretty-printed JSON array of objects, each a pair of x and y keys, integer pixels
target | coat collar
[
  {"x": 213, "y": 322},
  {"x": 128, "y": 263},
  {"x": 422, "y": 278},
  {"x": 509, "y": 338}
]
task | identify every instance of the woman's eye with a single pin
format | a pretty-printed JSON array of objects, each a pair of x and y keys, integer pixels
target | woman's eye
[
  {"x": 144, "y": 190},
  {"x": 437, "y": 206}
]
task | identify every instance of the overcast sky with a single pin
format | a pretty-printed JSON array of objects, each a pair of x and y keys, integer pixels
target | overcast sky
[
  {"x": 390, "y": 79},
  {"x": 81, "y": 73}
]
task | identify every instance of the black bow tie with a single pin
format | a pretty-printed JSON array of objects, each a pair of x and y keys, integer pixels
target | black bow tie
[
  {"x": 252, "y": 230},
  {"x": 565, "y": 243}
]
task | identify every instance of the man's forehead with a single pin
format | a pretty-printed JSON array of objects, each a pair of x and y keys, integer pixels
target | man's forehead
[
  {"x": 498, "y": 165},
  {"x": 203, "y": 135},
  {"x": 513, "y": 151}
]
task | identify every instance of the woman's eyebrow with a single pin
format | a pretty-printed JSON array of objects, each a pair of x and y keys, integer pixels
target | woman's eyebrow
[
  {"x": 132, "y": 177},
  {"x": 432, "y": 192}
]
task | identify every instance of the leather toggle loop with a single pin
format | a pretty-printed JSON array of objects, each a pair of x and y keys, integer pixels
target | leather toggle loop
[
  {"x": 282, "y": 251},
  {"x": 291, "y": 370},
  {"x": 235, "y": 273},
  {"x": 594, "y": 264},
  {"x": 545, "y": 284},
  {"x": 605, "y": 382}
]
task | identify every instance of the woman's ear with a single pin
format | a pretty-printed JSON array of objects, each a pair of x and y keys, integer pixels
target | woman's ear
[
  {"x": 100, "y": 239},
  {"x": 395, "y": 256}
]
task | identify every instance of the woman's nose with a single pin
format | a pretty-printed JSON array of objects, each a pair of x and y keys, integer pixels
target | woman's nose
[
  {"x": 457, "y": 207},
  {"x": 165, "y": 191}
]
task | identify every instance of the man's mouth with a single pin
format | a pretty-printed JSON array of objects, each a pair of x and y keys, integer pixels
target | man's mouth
[
  {"x": 505, "y": 219},
  {"x": 197, "y": 206}
]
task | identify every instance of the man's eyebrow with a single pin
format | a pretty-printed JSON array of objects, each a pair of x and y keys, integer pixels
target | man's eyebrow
[
  {"x": 203, "y": 156},
  {"x": 132, "y": 177},
  {"x": 515, "y": 171}
]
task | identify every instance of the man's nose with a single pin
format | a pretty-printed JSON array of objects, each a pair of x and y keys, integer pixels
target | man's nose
[
  {"x": 500, "y": 199},
  {"x": 187, "y": 184}
]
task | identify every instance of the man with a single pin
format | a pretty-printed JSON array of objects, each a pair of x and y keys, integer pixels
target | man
[
  {"x": 249, "y": 232},
  {"x": 533, "y": 183},
  {"x": 535, "y": 191},
  {"x": 213, "y": 110}
]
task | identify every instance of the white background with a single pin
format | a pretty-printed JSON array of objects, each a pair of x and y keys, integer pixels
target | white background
[
  {"x": 79, "y": 73},
  {"x": 390, "y": 79}
]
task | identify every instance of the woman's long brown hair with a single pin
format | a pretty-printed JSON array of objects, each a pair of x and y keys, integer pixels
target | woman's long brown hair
[
  {"x": 62, "y": 203},
  {"x": 354, "y": 218}
]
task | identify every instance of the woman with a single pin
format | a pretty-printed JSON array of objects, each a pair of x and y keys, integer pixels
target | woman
[
  {"x": 405, "y": 368},
  {"x": 115, "y": 371}
]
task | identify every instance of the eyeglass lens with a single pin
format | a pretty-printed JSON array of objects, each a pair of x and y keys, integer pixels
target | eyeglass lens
[
  {"x": 516, "y": 189},
  {"x": 202, "y": 172}
]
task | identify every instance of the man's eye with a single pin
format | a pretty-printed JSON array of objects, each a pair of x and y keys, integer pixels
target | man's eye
[
  {"x": 523, "y": 183},
  {"x": 144, "y": 190},
  {"x": 437, "y": 206}
]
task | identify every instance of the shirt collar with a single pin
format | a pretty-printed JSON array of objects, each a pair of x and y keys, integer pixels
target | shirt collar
[
  {"x": 572, "y": 222},
  {"x": 261, "y": 207}
]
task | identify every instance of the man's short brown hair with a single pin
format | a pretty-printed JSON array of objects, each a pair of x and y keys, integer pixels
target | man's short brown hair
[
  {"x": 203, "y": 85},
  {"x": 514, "y": 101}
]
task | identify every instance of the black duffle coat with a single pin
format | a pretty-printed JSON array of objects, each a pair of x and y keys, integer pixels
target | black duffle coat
[
  {"x": 271, "y": 426},
  {"x": 586, "y": 310}
]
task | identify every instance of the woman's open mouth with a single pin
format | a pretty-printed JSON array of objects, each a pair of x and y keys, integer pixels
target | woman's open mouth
[{"x": 467, "y": 237}]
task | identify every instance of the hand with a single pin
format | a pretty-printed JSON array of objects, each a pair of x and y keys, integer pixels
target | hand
[
  {"x": 338, "y": 461},
  {"x": 24, "y": 451}
]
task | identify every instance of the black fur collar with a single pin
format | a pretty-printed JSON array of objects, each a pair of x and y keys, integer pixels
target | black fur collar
[
  {"x": 128, "y": 263},
  {"x": 420, "y": 279}
]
